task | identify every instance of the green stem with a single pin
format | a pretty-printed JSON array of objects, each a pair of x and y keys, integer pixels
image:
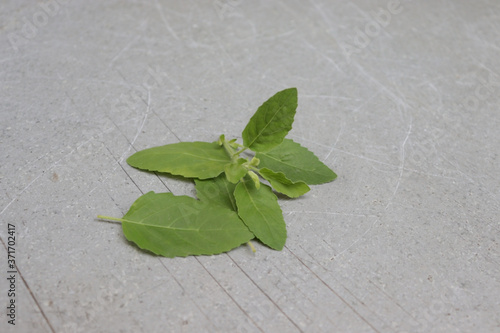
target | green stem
[
  {"x": 101, "y": 217},
  {"x": 240, "y": 151},
  {"x": 253, "y": 168},
  {"x": 229, "y": 149},
  {"x": 252, "y": 247}
]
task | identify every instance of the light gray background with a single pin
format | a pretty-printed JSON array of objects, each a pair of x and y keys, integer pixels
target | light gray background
[{"x": 406, "y": 111}]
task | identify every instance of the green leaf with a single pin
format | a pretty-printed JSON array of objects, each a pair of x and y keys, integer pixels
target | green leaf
[
  {"x": 189, "y": 159},
  {"x": 259, "y": 210},
  {"x": 297, "y": 163},
  {"x": 271, "y": 122},
  {"x": 178, "y": 226},
  {"x": 235, "y": 170},
  {"x": 218, "y": 191},
  {"x": 284, "y": 185}
]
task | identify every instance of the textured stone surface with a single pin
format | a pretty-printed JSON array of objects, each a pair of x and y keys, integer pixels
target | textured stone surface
[{"x": 401, "y": 99}]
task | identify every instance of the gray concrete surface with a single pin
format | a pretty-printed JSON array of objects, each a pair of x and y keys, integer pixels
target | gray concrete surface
[{"x": 400, "y": 99}]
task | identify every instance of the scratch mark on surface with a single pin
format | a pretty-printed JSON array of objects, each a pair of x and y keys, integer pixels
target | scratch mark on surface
[
  {"x": 122, "y": 51},
  {"x": 229, "y": 295},
  {"x": 321, "y": 13},
  {"x": 184, "y": 291},
  {"x": 30, "y": 292},
  {"x": 265, "y": 294},
  {"x": 382, "y": 87},
  {"x": 224, "y": 50},
  {"x": 345, "y": 98},
  {"x": 18, "y": 195},
  {"x": 165, "y": 21},
  {"x": 324, "y": 55},
  {"x": 342, "y": 299},
  {"x": 357, "y": 240},
  {"x": 402, "y": 165},
  {"x": 139, "y": 129},
  {"x": 130, "y": 146},
  {"x": 364, "y": 157},
  {"x": 328, "y": 213},
  {"x": 303, "y": 295},
  {"x": 43, "y": 172},
  {"x": 335, "y": 143}
]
